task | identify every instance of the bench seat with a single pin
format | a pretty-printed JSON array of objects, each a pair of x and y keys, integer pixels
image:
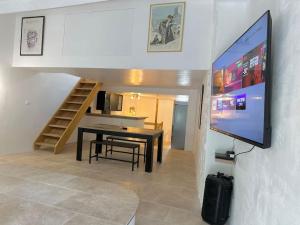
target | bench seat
[
  {"x": 129, "y": 139},
  {"x": 112, "y": 144}
]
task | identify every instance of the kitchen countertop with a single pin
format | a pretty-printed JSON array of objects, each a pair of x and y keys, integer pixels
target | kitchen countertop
[{"x": 118, "y": 116}]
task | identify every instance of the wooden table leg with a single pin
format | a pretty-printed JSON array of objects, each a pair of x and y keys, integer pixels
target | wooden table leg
[
  {"x": 149, "y": 155},
  {"x": 79, "y": 144},
  {"x": 160, "y": 147}
]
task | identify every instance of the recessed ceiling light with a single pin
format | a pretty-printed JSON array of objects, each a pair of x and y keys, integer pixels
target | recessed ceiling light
[{"x": 136, "y": 76}]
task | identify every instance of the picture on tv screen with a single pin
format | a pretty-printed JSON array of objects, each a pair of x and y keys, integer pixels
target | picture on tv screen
[{"x": 240, "y": 86}]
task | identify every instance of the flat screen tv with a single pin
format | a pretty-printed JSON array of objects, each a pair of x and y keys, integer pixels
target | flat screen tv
[{"x": 241, "y": 86}]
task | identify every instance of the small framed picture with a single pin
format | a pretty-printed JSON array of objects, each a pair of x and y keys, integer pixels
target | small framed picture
[
  {"x": 166, "y": 25},
  {"x": 32, "y": 36}
]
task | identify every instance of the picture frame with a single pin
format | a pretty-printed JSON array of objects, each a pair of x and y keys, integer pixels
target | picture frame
[
  {"x": 166, "y": 27},
  {"x": 201, "y": 106},
  {"x": 32, "y": 36}
]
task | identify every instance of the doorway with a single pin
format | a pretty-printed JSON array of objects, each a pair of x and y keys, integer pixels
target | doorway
[{"x": 179, "y": 125}]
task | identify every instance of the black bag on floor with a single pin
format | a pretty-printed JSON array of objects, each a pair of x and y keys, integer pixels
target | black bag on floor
[{"x": 217, "y": 198}]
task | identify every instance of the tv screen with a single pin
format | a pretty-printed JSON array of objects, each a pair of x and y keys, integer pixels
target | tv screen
[{"x": 241, "y": 76}]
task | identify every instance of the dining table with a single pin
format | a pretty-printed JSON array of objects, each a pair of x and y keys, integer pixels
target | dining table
[{"x": 149, "y": 135}]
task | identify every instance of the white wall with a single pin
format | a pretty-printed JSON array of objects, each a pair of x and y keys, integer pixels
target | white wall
[
  {"x": 27, "y": 100},
  {"x": 266, "y": 181},
  {"x": 145, "y": 106},
  {"x": 165, "y": 115},
  {"x": 24, "y": 121},
  {"x": 114, "y": 34},
  {"x": 226, "y": 29},
  {"x": 200, "y": 135}
]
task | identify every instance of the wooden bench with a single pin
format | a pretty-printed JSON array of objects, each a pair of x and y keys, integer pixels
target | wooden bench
[
  {"x": 126, "y": 139},
  {"x": 107, "y": 143}
]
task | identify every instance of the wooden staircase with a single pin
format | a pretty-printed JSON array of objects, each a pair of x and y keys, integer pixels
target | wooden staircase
[{"x": 61, "y": 126}]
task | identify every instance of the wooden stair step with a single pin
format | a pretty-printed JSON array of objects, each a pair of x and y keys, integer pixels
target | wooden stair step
[
  {"x": 44, "y": 144},
  {"x": 57, "y": 126},
  {"x": 51, "y": 135},
  {"x": 70, "y": 110},
  {"x": 78, "y": 95},
  {"x": 63, "y": 118},
  {"x": 75, "y": 103},
  {"x": 84, "y": 89},
  {"x": 88, "y": 82}
]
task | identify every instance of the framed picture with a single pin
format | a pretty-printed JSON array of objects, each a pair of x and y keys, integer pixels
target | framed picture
[
  {"x": 201, "y": 106},
  {"x": 166, "y": 25},
  {"x": 32, "y": 36}
]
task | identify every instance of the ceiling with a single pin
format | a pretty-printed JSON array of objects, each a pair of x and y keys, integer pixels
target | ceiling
[{"x": 183, "y": 79}]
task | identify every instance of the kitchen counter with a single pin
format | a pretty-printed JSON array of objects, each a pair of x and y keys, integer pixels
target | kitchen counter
[
  {"x": 116, "y": 120},
  {"x": 117, "y": 116}
]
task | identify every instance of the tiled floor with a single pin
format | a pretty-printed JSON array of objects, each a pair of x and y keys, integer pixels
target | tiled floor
[{"x": 168, "y": 195}]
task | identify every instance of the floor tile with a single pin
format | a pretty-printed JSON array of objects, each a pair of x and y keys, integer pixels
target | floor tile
[
  {"x": 152, "y": 210},
  {"x": 42, "y": 193},
  {"x": 15, "y": 211},
  {"x": 69, "y": 189},
  {"x": 9, "y": 183},
  {"x": 88, "y": 220},
  {"x": 99, "y": 206}
]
